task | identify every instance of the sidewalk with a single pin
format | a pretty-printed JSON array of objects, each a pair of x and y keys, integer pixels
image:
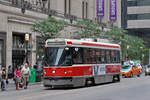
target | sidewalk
[{"x": 11, "y": 83}]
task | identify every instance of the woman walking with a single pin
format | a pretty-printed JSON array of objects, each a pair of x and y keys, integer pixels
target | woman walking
[{"x": 17, "y": 77}]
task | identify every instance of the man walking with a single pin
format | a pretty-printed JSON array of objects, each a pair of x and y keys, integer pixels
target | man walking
[{"x": 25, "y": 73}]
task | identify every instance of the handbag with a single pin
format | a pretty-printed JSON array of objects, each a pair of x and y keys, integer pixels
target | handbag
[{"x": 7, "y": 82}]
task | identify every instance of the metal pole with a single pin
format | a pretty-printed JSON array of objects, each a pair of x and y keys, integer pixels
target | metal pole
[{"x": 26, "y": 51}]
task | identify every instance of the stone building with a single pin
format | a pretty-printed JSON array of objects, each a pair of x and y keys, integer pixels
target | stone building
[{"x": 18, "y": 16}]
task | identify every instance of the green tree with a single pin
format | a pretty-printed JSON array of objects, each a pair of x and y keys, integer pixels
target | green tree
[
  {"x": 49, "y": 28},
  {"x": 87, "y": 29},
  {"x": 131, "y": 46}
]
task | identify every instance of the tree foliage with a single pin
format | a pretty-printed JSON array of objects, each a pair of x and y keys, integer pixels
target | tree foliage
[
  {"x": 87, "y": 29},
  {"x": 49, "y": 28},
  {"x": 131, "y": 46}
]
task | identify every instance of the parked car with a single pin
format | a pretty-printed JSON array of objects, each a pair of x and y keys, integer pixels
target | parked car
[
  {"x": 130, "y": 71},
  {"x": 147, "y": 70}
]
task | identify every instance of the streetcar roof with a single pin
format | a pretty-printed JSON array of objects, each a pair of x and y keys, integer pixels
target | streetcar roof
[{"x": 80, "y": 43}]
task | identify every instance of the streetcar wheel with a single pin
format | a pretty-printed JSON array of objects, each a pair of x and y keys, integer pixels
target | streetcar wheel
[
  {"x": 118, "y": 78},
  {"x": 89, "y": 82}
]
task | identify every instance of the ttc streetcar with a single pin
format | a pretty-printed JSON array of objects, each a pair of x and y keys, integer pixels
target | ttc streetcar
[{"x": 75, "y": 63}]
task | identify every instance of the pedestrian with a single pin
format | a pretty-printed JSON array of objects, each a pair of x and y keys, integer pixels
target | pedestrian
[
  {"x": 35, "y": 66},
  {"x": 3, "y": 79},
  {"x": 17, "y": 74},
  {"x": 10, "y": 72},
  {"x": 25, "y": 73}
]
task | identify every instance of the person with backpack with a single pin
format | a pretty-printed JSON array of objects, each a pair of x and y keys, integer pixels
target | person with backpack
[{"x": 3, "y": 79}]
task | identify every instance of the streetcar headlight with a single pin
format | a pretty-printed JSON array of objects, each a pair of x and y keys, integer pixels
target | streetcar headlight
[
  {"x": 65, "y": 72},
  {"x": 53, "y": 71},
  {"x": 44, "y": 72}
]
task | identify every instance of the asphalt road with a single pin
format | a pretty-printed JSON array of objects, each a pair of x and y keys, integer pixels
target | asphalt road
[{"x": 128, "y": 89}]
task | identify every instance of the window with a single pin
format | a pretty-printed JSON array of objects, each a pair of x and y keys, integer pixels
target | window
[
  {"x": 77, "y": 55},
  {"x": 118, "y": 56},
  {"x": 103, "y": 58},
  {"x": 98, "y": 56},
  {"x": 92, "y": 56},
  {"x": 139, "y": 3},
  {"x": 132, "y": 3},
  {"x": 108, "y": 56},
  {"x": 138, "y": 16},
  {"x": 67, "y": 6},
  {"x": 86, "y": 56},
  {"x": 84, "y": 10},
  {"x": 113, "y": 56},
  {"x": 48, "y": 4}
]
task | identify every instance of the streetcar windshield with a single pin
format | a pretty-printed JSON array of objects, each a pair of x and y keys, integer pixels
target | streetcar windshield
[{"x": 58, "y": 56}]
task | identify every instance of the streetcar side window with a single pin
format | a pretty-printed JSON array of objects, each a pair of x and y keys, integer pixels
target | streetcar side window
[
  {"x": 98, "y": 56},
  {"x": 92, "y": 56},
  {"x": 86, "y": 56},
  {"x": 108, "y": 56},
  {"x": 103, "y": 58},
  {"x": 113, "y": 56},
  {"x": 118, "y": 56},
  {"x": 77, "y": 56}
]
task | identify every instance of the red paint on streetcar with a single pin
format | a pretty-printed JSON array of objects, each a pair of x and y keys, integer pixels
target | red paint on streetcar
[{"x": 68, "y": 71}]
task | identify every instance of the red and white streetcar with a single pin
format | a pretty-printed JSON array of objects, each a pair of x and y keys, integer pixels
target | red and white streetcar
[{"x": 75, "y": 63}]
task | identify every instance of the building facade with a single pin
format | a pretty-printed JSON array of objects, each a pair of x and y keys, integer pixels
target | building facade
[
  {"x": 136, "y": 17},
  {"x": 18, "y": 16}
]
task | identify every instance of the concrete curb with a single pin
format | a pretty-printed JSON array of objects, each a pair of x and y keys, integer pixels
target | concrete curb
[{"x": 36, "y": 83}]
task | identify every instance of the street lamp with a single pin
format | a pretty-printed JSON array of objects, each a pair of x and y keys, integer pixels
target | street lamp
[
  {"x": 27, "y": 38},
  {"x": 127, "y": 56}
]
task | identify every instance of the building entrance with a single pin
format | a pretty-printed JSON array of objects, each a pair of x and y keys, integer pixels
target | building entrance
[{"x": 18, "y": 57}]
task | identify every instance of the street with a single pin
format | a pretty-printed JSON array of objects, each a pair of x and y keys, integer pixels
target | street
[{"x": 128, "y": 89}]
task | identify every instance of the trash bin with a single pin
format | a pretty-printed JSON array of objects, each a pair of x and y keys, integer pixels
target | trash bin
[{"x": 32, "y": 78}]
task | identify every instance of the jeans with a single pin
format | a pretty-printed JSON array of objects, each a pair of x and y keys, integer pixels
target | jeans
[{"x": 3, "y": 84}]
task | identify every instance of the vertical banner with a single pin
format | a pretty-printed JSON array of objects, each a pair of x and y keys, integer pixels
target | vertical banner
[
  {"x": 100, "y": 8},
  {"x": 113, "y": 10}
]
